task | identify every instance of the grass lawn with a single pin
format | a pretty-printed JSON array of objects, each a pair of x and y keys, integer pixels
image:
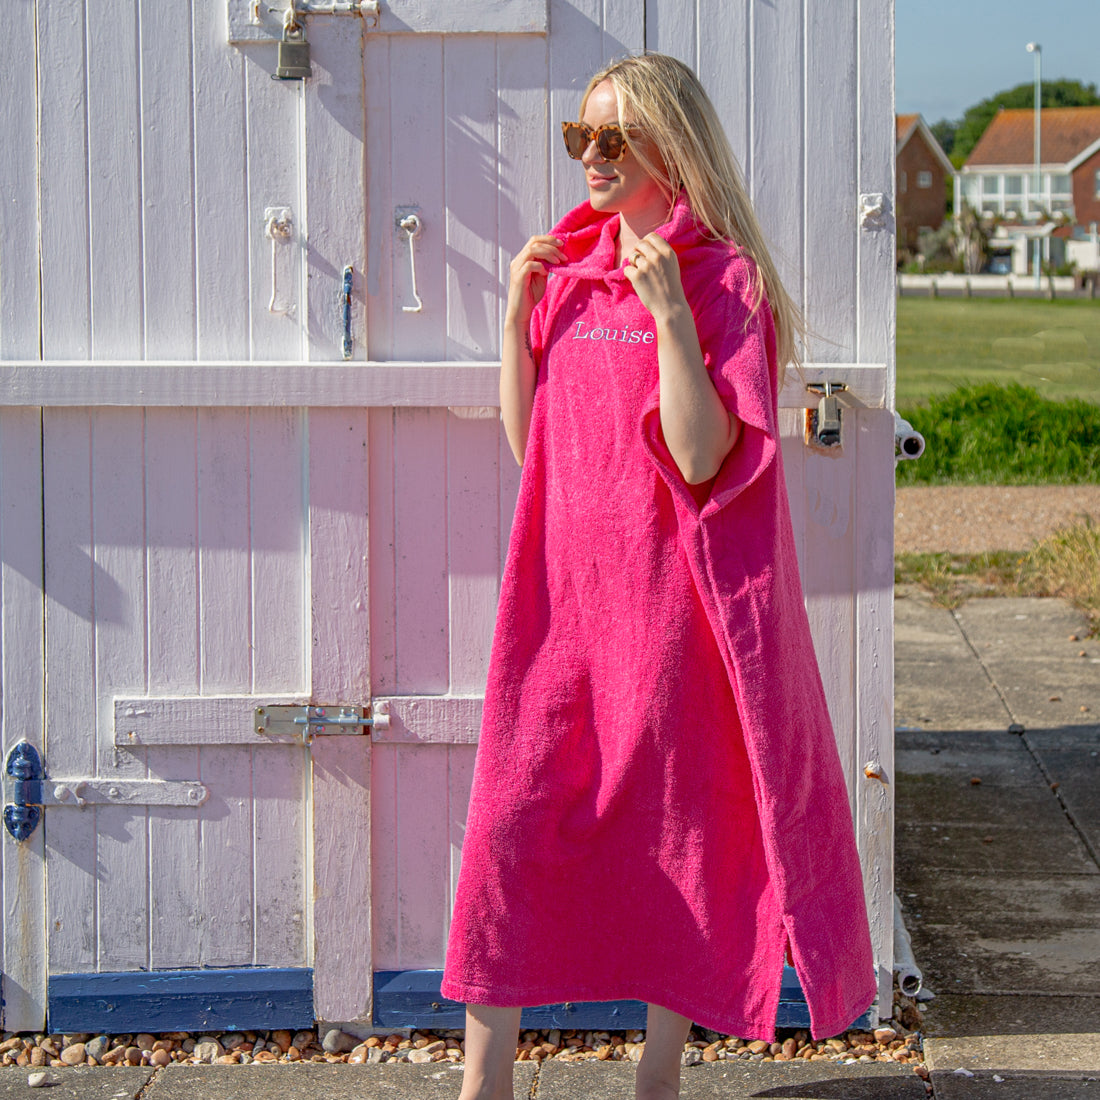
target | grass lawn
[{"x": 944, "y": 343}]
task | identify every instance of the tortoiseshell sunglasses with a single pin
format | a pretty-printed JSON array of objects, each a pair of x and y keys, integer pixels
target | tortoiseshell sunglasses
[{"x": 610, "y": 139}]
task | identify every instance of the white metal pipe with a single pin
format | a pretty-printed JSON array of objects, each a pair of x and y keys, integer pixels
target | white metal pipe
[{"x": 908, "y": 974}]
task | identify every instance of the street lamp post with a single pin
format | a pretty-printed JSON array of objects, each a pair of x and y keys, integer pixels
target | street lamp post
[{"x": 1037, "y": 50}]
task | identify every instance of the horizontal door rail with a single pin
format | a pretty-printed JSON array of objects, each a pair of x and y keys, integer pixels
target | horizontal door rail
[{"x": 142, "y": 383}]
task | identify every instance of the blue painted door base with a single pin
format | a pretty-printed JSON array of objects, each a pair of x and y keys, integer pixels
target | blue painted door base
[
  {"x": 245, "y": 998},
  {"x": 411, "y": 999}
]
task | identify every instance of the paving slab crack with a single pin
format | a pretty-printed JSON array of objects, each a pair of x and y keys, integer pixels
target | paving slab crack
[{"x": 1016, "y": 726}]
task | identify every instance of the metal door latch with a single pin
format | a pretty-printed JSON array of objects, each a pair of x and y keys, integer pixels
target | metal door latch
[
  {"x": 27, "y": 791},
  {"x": 307, "y": 722},
  {"x": 823, "y": 423}
]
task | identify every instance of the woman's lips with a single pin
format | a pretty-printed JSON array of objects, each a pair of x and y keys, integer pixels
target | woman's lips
[{"x": 595, "y": 181}]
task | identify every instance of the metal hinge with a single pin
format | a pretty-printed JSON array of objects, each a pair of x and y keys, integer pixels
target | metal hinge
[
  {"x": 27, "y": 791},
  {"x": 312, "y": 721}
]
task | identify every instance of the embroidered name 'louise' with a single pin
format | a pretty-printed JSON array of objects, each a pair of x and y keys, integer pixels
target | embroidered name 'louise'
[{"x": 623, "y": 335}]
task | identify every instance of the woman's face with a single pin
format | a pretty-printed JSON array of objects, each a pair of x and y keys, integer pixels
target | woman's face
[{"x": 616, "y": 186}]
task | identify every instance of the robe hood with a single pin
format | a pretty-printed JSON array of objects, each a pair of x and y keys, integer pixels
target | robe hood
[{"x": 588, "y": 241}]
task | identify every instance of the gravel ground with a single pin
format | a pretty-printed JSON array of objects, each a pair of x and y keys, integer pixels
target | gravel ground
[
  {"x": 970, "y": 519},
  {"x": 900, "y": 1043}
]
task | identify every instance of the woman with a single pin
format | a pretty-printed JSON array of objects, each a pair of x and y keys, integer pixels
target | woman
[{"x": 658, "y": 809}]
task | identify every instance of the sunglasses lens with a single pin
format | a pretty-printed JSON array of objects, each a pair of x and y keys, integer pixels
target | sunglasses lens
[
  {"x": 610, "y": 143},
  {"x": 577, "y": 138}
]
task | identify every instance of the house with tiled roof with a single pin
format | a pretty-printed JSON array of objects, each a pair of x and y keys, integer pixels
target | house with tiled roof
[
  {"x": 922, "y": 173},
  {"x": 998, "y": 179}
]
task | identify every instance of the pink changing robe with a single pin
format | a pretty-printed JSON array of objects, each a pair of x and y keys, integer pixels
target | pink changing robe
[{"x": 658, "y": 804}]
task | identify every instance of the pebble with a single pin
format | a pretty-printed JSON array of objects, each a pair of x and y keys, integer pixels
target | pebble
[
  {"x": 337, "y": 1042},
  {"x": 39, "y": 1080},
  {"x": 74, "y": 1055},
  {"x": 97, "y": 1047},
  {"x": 207, "y": 1049}
]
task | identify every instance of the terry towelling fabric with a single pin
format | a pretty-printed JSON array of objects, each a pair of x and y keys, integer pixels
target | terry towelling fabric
[{"x": 658, "y": 806}]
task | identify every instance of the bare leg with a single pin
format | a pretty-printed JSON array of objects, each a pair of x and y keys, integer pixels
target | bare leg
[
  {"x": 491, "y": 1035},
  {"x": 659, "y": 1070}
]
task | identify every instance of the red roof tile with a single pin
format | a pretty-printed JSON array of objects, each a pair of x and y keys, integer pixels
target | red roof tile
[
  {"x": 904, "y": 124},
  {"x": 1010, "y": 137}
]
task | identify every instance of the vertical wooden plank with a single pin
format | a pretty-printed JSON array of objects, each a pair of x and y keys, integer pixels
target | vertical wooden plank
[
  {"x": 19, "y": 287},
  {"x": 70, "y": 685},
  {"x": 423, "y": 855},
  {"x": 279, "y": 525},
  {"x": 671, "y": 27},
  {"x": 339, "y": 489},
  {"x": 278, "y": 520},
  {"x": 221, "y": 222},
  {"x": 116, "y": 208},
  {"x": 22, "y": 866},
  {"x": 168, "y": 214},
  {"x": 874, "y": 630},
  {"x": 725, "y": 66},
  {"x": 777, "y": 134},
  {"x": 877, "y": 302},
  {"x": 420, "y": 500},
  {"x": 380, "y": 216},
  {"x": 118, "y": 522},
  {"x": 224, "y": 591},
  {"x": 172, "y": 634},
  {"x": 522, "y": 155},
  {"x": 334, "y": 174},
  {"x": 829, "y": 579},
  {"x": 416, "y": 180},
  {"x": 383, "y": 856},
  {"x": 21, "y": 717},
  {"x": 225, "y": 627},
  {"x": 472, "y": 539},
  {"x": 383, "y": 627},
  {"x": 115, "y": 138},
  {"x": 830, "y": 197},
  {"x": 470, "y": 179},
  {"x": 272, "y": 137},
  {"x": 280, "y": 797},
  {"x": 63, "y": 182}
]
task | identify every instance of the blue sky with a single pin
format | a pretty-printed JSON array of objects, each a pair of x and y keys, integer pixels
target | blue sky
[{"x": 952, "y": 53}]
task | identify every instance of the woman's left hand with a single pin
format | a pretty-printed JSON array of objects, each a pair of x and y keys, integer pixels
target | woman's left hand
[{"x": 654, "y": 272}]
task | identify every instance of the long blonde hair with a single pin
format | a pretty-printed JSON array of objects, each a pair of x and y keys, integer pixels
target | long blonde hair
[{"x": 662, "y": 98}]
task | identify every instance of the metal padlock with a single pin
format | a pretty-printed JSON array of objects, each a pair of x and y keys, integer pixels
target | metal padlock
[
  {"x": 827, "y": 427},
  {"x": 293, "y": 61}
]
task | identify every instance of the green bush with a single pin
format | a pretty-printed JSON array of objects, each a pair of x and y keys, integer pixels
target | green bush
[{"x": 1004, "y": 435}]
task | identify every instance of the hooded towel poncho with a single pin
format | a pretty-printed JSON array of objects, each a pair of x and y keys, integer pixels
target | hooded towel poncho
[{"x": 658, "y": 806}]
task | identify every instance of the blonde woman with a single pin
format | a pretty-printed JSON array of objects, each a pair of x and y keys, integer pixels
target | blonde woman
[{"x": 658, "y": 809}]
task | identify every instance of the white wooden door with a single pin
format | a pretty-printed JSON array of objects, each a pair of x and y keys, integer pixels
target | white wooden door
[
  {"x": 203, "y": 507},
  {"x": 183, "y": 539}
]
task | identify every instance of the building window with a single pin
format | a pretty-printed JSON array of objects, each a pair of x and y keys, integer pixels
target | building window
[
  {"x": 905, "y": 181},
  {"x": 1098, "y": 185},
  {"x": 1061, "y": 185},
  {"x": 1014, "y": 185},
  {"x": 924, "y": 179}
]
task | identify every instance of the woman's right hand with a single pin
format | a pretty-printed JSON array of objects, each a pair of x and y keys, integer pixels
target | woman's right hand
[{"x": 527, "y": 276}]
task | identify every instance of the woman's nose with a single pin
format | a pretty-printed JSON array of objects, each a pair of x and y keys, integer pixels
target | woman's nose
[{"x": 591, "y": 154}]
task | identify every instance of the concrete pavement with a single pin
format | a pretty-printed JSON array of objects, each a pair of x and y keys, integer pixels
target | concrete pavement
[
  {"x": 997, "y": 834},
  {"x": 997, "y": 831}
]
